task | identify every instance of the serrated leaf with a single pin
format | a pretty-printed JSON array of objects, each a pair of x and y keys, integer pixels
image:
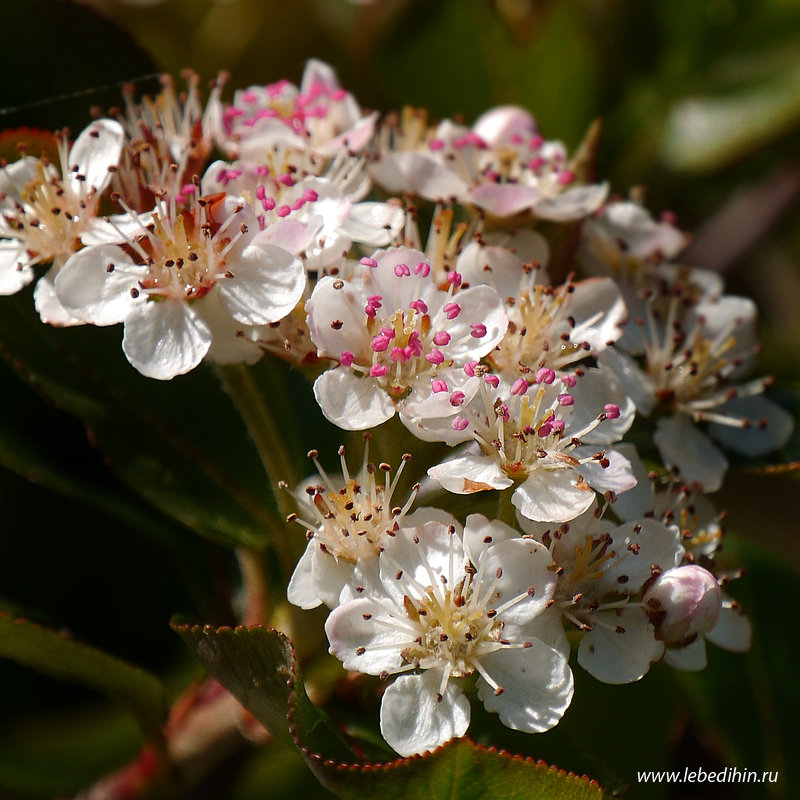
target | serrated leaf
[
  {"x": 63, "y": 658},
  {"x": 459, "y": 769},
  {"x": 257, "y": 665}
]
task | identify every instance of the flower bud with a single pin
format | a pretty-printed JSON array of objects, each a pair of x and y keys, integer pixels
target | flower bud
[{"x": 683, "y": 603}]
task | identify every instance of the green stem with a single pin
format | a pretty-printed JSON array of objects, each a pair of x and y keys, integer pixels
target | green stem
[
  {"x": 267, "y": 435},
  {"x": 256, "y": 586}
]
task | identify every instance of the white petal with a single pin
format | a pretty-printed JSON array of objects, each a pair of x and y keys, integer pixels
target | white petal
[
  {"x": 46, "y": 302},
  {"x": 524, "y": 567},
  {"x": 467, "y": 474},
  {"x": 328, "y": 305},
  {"x": 330, "y": 575},
  {"x": 592, "y": 392},
  {"x": 617, "y": 477},
  {"x": 691, "y": 658},
  {"x": 686, "y": 448},
  {"x": 537, "y": 687},
  {"x": 92, "y": 293},
  {"x": 479, "y": 304},
  {"x": 318, "y": 73},
  {"x": 480, "y": 532},
  {"x": 438, "y": 555},
  {"x": 97, "y": 148},
  {"x": 413, "y": 720},
  {"x": 227, "y": 345},
  {"x": 574, "y": 203},
  {"x": 599, "y": 312},
  {"x": 15, "y": 175},
  {"x": 374, "y": 224},
  {"x": 636, "y": 384},
  {"x": 770, "y": 428},
  {"x": 301, "y": 591},
  {"x": 360, "y": 640},
  {"x": 503, "y": 199},
  {"x": 268, "y": 283},
  {"x": 419, "y": 173},
  {"x": 352, "y": 403},
  {"x": 497, "y": 125},
  {"x": 14, "y": 270},
  {"x": 614, "y": 657},
  {"x": 164, "y": 339},
  {"x": 553, "y": 495},
  {"x": 732, "y": 631},
  {"x": 655, "y": 544}
]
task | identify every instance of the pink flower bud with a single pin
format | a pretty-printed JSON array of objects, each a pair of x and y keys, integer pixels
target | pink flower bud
[
  {"x": 683, "y": 603},
  {"x": 611, "y": 410},
  {"x": 441, "y": 339},
  {"x": 346, "y": 358}
]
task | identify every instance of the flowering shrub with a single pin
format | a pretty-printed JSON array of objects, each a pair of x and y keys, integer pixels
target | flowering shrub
[{"x": 582, "y": 415}]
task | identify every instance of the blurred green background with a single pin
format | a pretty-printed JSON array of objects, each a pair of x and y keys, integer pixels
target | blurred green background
[{"x": 700, "y": 103}]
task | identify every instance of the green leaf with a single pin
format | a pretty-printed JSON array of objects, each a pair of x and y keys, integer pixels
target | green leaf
[
  {"x": 60, "y": 657},
  {"x": 257, "y": 665},
  {"x": 459, "y": 769}
]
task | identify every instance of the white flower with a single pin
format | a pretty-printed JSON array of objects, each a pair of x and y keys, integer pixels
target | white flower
[
  {"x": 183, "y": 282},
  {"x": 312, "y": 123},
  {"x": 535, "y": 438},
  {"x": 501, "y": 165},
  {"x": 451, "y": 607},
  {"x": 44, "y": 211},
  {"x": 318, "y": 216},
  {"x": 692, "y": 357},
  {"x": 399, "y": 340},
  {"x": 347, "y": 524},
  {"x": 558, "y": 326},
  {"x": 601, "y": 571}
]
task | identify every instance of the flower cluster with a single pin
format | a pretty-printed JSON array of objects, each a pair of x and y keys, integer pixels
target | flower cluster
[{"x": 529, "y": 376}]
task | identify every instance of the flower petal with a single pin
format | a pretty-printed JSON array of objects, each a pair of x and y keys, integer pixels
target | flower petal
[
  {"x": 164, "y": 339},
  {"x": 268, "y": 283},
  {"x": 95, "y": 284},
  {"x": 352, "y": 403},
  {"x": 414, "y": 720},
  {"x": 537, "y": 687},
  {"x": 553, "y": 495},
  {"x": 687, "y": 449},
  {"x": 623, "y": 655}
]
